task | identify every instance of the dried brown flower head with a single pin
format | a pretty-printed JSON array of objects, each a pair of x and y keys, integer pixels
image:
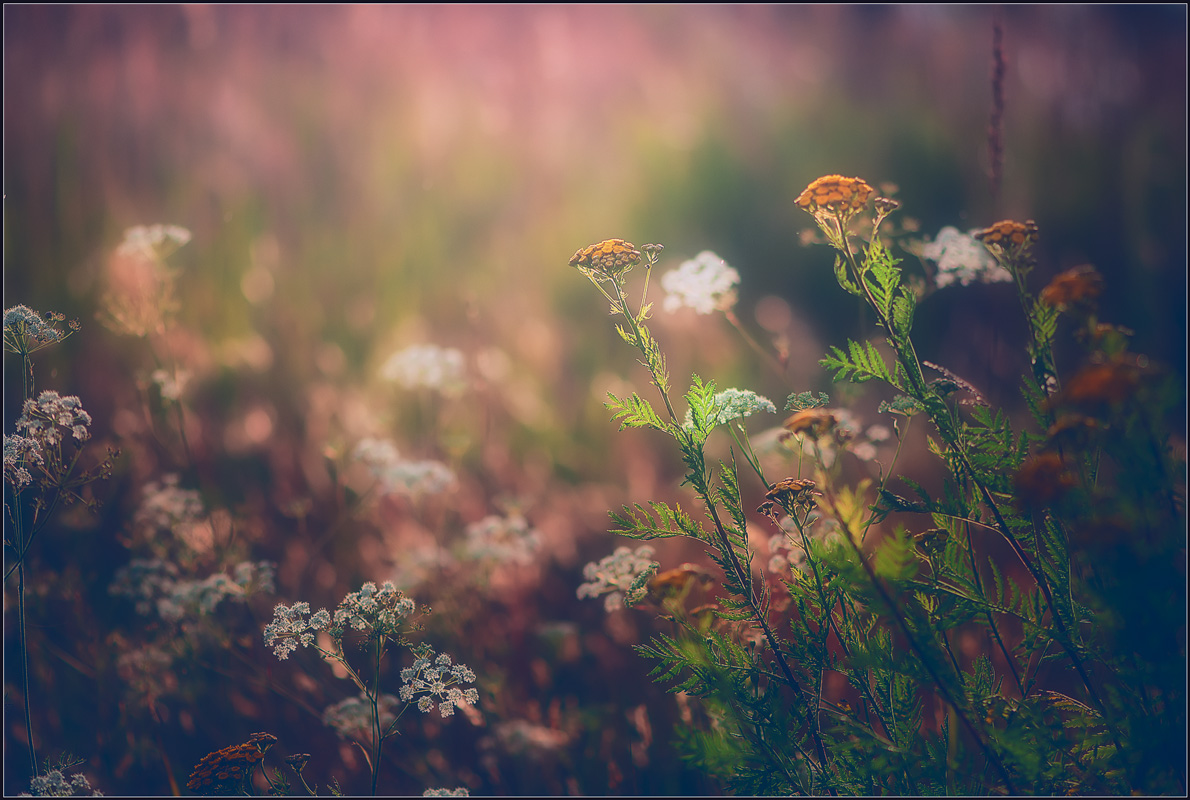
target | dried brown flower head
[
  {"x": 1074, "y": 288},
  {"x": 608, "y": 259},
  {"x": 224, "y": 769},
  {"x": 835, "y": 195},
  {"x": 788, "y": 493},
  {"x": 674, "y": 581}
]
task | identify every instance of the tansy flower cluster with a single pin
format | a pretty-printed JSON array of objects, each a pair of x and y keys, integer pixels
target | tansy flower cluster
[
  {"x": 222, "y": 770},
  {"x": 835, "y": 196},
  {"x": 607, "y": 260}
]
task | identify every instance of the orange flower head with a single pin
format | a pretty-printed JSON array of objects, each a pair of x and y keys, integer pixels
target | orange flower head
[
  {"x": 677, "y": 579},
  {"x": 815, "y": 421},
  {"x": 1102, "y": 383},
  {"x": 1009, "y": 237},
  {"x": 608, "y": 259},
  {"x": 788, "y": 493},
  {"x": 1077, "y": 287},
  {"x": 222, "y": 769},
  {"x": 835, "y": 195}
]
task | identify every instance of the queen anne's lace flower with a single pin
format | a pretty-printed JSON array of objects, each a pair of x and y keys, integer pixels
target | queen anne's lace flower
[
  {"x": 613, "y": 576},
  {"x": 55, "y": 784},
  {"x": 427, "y": 366},
  {"x": 962, "y": 259},
  {"x": 352, "y": 717},
  {"x": 733, "y": 404},
  {"x": 705, "y": 283},
  {"x": 435, "y": 678},
  {"x": 292, "y": 627},
  {"x": 26, "y": 331},
  {"x": 398, "y": 476},
  {"x": 502, "y": 539}
]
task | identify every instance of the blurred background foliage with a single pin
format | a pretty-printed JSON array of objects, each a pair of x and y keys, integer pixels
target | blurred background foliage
[{"x": 358, "y": 179}]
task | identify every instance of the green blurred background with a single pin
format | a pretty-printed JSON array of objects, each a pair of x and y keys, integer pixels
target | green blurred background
[{"x": 362, "y": 178}]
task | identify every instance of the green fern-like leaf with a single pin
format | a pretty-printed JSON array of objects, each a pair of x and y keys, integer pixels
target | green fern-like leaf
[{"x": 634, "y": 412}]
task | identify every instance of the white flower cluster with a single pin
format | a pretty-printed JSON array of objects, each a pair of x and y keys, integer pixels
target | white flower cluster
[
  {"x": 155, "y": 586},
  {"x": 436, "y": 678},
  {"x": 458, "y": 791},
  {"x": 166, "y": 507},
  {"x": 293, "y": 627},
  {"x": 41, "y": 429},
  {"x": 55, "y": 784},
  {"x": 377, "y": 612},
  {"x": 732, "y": 404},
  {"x": 352, "y": 717},
  {"x": 46, "y": 418},
  {"x": 26, "y": 331},
  {"x": 962, "y": 258},
  {"x": 428, "y": 366},
  {"x": 398, "y": 476},
  {"x": 705, "y": 283},
  {"x": 170, "y": 384},
  {"x": 614, "y": 575},
  {"x": 502, "y": 539},
  {"x": 154, "y": 242}
]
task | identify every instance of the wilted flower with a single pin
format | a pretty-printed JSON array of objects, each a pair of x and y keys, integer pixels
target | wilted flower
[
  {"x": 962, "y": 259},
  {"x": 610, "y": 259},
  {"x": 427, "y": 366},
  {"x": 614, "y": 575},
  {"x": 705, "y": 283}
]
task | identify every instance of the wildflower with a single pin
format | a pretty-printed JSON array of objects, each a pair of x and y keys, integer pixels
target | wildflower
[
  {"x": 458, "y": 791},
  {"x": 1100, "y": 384},
  {"x": 961, "y": 258},
  {"x": 21, "y": 452},
  {"x": 375, "y": 612},
  {"x": 222, "y": 770},
  {"x": 609, "y": 260},
  {"x": 436, "y": 678},
  {"x": 25, "y": 331},
  {"x": 834, "y": 196},
  {"x": 291, "y": 629},
  {"x": 705, "y": 283},
  {"x": 198, "y": 597},
  {"x": 613, "y": 576},
  {"x": 42, "y": 418},
  {"x": 1074, "y": 288},
  {"x": 1008, "y": 240},
  {"x": 170, "y": 384},
  {"x": 156, "y": 242},
  {"x": 397, "y": 476},
  {"x": 789, "y": 493},
  {"x": 351, "y": 717},
  {"x": 140, "y": 286},
  {"x": 427, "y": 366},
  {"x": 676, "y": 580},
  {"x": 55, "y": 784},
  {"x": 815, "y": 421},
  {"x": 734, "y": 404},
  {"x": 502, "y": 539},
  {"x": 166, "y": 507},
  {"x": 1042, "y": 480}
]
